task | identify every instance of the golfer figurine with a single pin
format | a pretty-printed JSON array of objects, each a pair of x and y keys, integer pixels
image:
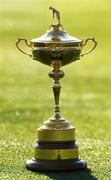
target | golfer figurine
[{"x": 55, "y": 12}]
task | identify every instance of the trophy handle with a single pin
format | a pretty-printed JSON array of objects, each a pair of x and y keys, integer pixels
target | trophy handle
[
  {"x": 26, "y": 42},
  {"x": 85, "y": 42}
]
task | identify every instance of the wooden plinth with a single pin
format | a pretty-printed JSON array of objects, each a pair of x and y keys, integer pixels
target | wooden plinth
[{"x": 55, "y": 165}]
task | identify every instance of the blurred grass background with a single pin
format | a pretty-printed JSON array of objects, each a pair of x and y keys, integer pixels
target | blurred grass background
[{"x": 26, "y": 99}]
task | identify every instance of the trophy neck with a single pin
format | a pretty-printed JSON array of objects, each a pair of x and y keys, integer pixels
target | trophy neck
[{"x": 56, "y": 74}]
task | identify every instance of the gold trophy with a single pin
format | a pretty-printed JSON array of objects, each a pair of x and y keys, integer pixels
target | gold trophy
[{"x": 56, "y": 148}]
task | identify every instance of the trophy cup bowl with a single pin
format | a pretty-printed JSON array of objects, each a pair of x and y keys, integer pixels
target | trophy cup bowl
[
  {"x": 56, "y": 148},
  {"x": 56, "y": 44}
]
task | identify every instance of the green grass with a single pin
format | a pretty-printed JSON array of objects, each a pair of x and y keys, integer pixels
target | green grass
[{"x": 86, "y": 87}]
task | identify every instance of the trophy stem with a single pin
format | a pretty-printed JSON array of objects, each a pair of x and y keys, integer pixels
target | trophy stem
[{"x": 56, "y": 74}]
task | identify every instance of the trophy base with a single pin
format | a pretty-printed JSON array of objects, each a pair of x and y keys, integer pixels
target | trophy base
[
  {"x": 55, "y": 165},
  {"x": 60, "y": 152}
]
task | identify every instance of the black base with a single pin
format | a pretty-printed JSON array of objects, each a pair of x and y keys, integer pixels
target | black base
[{"x": 55, "y": 165}]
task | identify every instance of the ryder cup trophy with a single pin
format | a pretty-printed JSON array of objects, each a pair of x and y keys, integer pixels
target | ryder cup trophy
[{"x": 56, "y": 148}]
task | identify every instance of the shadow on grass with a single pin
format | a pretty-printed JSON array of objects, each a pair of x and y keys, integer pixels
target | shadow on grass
[{"x": 71, "y": 175}]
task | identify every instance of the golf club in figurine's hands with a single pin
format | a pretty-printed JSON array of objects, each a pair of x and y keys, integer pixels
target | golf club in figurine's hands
[{"x": 56, "y": 147}]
